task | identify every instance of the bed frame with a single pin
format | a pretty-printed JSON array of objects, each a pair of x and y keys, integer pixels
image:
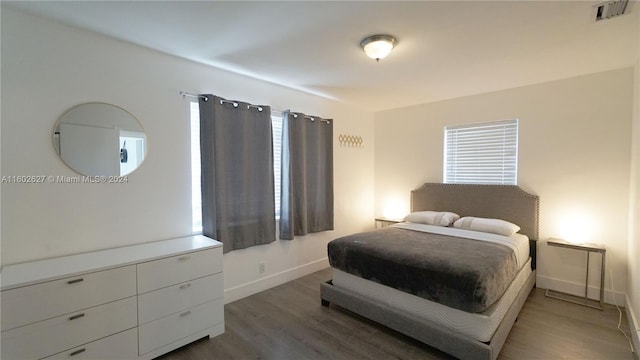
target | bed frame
[{"x": 507, "y": 202}]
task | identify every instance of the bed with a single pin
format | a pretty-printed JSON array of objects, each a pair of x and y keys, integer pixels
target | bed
[{"x": 475, "y": 328}]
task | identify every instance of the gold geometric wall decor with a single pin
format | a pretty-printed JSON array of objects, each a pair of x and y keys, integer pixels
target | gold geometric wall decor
[{"x": 352, "y": 141}]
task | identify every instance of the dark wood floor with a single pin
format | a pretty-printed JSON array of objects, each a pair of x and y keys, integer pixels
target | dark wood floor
[{"x": 288, "y": 322}]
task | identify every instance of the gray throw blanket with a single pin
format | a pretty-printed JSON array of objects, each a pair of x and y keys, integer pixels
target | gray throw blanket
[{"x": 464, "y": 274}]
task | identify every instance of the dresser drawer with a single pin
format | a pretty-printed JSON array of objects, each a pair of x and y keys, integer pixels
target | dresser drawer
[
  {"x": 120, "y": 346},
  {"x": 156, "y": 304},
  {"x": 157, "y": 274},
  {"x": 179, "y": 325},
  {"x": 26, "y": 305},
  {"x": 65, "y": 332}
]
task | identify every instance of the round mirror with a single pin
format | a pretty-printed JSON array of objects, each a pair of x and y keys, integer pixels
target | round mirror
[{"x": 97, "y": 139}]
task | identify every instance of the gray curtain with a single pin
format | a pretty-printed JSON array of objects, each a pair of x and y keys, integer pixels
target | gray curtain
[
  {"x": 237, "y": 173},
  {"x": 306, "y": 198}
]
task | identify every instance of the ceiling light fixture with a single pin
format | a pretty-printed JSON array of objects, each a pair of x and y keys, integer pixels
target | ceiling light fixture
[{"x": 378, "y": 46}]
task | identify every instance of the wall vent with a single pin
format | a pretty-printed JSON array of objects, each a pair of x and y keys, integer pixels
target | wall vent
[{"x": 610, "y": 9}]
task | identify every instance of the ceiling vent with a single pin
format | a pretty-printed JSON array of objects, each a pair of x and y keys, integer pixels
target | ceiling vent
[{"x": 610, "y": 9}]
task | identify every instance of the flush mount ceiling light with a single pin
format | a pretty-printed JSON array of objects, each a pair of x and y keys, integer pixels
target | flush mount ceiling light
[{"x": 378, "y": 46}]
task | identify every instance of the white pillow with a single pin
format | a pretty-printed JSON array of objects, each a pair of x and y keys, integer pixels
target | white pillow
[
  {"x": 438, "y": 218},
  {"x": 494, "y": 226}
]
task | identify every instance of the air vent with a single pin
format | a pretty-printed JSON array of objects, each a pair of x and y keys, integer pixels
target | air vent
[{"x": 610, "y": 9}]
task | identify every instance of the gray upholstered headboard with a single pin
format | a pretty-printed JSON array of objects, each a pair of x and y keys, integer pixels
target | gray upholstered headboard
[{"x": 507, "y": 202}]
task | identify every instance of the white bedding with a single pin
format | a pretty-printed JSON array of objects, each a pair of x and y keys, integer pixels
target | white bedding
[
  {"x": 518, "y": 243},
  {"x": 480, "y": 326}
]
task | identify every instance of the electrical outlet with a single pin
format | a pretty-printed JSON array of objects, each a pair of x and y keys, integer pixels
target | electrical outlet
[{"x": 261, "y": 268}]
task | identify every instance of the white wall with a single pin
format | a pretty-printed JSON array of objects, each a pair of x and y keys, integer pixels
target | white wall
[
  {"x": 574, "y": 152},
  {"x": 48, "y": 67},
  {"x": 633, "y": 283}
]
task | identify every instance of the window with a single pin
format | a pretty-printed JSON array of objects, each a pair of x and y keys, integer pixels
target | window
[
  {"x": 484, "y": 153},
  {"x": 276, "y": 123},
  {"x": 196, "y": 196}
]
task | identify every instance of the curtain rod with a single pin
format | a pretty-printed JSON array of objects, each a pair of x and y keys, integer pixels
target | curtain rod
[
  {"x": 258, "y": 107},
  {"x": 312, "y": 118},
  {"x": 234, "y": 103},
  {"x": 184, "y": 94},
  {"x": 295, "y": 115}
]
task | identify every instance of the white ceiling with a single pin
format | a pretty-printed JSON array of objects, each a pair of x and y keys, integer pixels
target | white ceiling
[{"x": 445, "y": 49}]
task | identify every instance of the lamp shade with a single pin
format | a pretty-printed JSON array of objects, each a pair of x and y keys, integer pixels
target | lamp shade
[{"x": 378, "y": 46}]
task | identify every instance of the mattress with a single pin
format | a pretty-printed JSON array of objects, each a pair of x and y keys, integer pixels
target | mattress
[
  {"x": 439, "y": 264},
  {"x": 479, "y": 326}
]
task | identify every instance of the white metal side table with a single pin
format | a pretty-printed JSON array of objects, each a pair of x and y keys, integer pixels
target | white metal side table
[{"x": 588, "y": 248}]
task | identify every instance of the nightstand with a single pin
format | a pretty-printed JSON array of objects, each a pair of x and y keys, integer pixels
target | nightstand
[
  {"x": 588, "y": 248},
  {"x": 384, "y": 222}
]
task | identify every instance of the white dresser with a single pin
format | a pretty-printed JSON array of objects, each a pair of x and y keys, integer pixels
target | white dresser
[{"x": 138, "y": 301}]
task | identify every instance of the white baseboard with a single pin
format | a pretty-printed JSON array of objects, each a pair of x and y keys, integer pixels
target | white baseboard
[
  {"x": 634, "y": 325},
  {"x": 577, "y": 289},
  {"x": 267, "y": 282}
]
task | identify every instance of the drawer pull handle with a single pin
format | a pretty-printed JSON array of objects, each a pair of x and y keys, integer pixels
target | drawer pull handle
[
  {"x": 185, "y": 313},
  {"x": 76, "y": 316},
  {"x": 184, "y": 258},
  {"x": 75, "y": 281},
  {"x": 79, "y": 351},
  {"x": 185, "y": 286}
]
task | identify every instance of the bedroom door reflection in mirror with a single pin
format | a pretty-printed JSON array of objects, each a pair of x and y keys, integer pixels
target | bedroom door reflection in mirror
[{"x": 98, "y": 139}]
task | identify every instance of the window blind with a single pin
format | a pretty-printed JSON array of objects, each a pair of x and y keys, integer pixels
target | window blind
[
  {"x": 196, "y": 195},
  {"x": 276, "y": 123},
  {"x": 484, "y": 153}
]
